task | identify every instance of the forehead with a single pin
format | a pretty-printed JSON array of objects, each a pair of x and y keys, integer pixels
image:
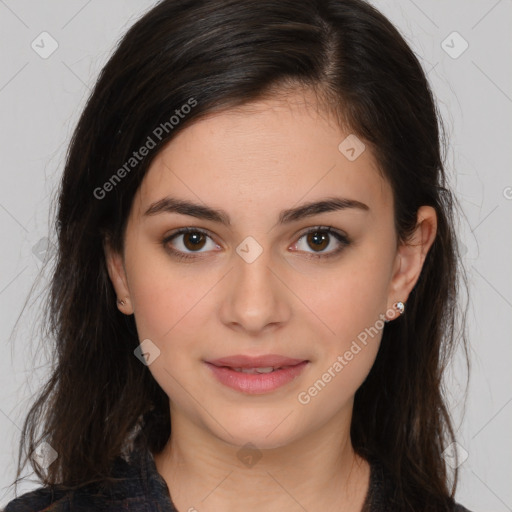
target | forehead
[{"x": 272, "y": 153}]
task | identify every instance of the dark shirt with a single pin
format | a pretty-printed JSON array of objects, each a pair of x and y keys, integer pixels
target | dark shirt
[{"x": 144, "y": 489}]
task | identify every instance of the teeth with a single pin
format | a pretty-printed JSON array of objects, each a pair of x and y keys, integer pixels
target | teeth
[{"x": 255, "y": 370}]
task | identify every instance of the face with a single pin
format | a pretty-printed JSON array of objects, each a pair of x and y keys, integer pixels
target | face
[{"x": 262, "y": 272}]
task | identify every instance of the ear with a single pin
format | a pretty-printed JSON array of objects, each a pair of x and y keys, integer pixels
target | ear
[
  {"x": 411, "y": 255},
  {"x": 117, "y": 274}
]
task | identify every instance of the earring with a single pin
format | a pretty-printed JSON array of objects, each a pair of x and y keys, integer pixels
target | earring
[
  {"x": 400, "y": 306},
  {"x": 397, "y": 306},
  {"x": 121, "y": 302}
]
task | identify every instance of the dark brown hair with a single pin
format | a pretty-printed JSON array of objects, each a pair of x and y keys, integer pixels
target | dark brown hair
[{"x": 214, "y": 55}]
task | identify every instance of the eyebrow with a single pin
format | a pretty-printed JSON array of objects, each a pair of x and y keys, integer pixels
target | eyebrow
[{"x": 185, "y": 207}]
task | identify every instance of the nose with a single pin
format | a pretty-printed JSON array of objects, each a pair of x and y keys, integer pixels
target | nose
[{"x": 255, "y": 299}]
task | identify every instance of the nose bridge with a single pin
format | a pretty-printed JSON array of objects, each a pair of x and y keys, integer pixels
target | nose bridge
[{"x": 255, "y": 297}]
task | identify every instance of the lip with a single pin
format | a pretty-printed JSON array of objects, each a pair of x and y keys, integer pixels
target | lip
[
  {"x": 286, "y": 370},
  {"x": 243, "y": 361}
]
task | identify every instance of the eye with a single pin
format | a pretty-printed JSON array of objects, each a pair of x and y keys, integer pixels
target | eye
[
  {"x": 189, "y": 240},
  {"x": 320, "y": 239},
  {"x": 186, "y": 242}
]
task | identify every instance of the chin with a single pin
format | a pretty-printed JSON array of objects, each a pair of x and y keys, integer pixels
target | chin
[{"x": 264, "y": 431}]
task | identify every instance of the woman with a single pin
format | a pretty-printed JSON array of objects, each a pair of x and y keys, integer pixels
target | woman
[{"x": 255, "y": 290}]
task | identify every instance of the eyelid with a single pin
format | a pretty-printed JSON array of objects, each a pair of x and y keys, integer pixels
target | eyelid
[
  {"x": 188, "y": 229},
  {"x": 328, "y": 229}
]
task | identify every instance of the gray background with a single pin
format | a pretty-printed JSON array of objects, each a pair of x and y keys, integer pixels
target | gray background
[{"x": 41, "y": 98}]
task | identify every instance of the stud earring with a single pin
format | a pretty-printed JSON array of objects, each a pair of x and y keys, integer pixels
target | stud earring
[
  {"x": 397, "y": 306},
  {"x": 121, "y": 302},
  {"x": 400, "y": 306}
]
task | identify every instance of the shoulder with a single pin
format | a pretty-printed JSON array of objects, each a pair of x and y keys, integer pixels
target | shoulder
[
  {"x": 94, "y": 496},
  {"x": 382, "y": 497},
  {"x": 133, "y": 485},
  {"x": 49, "y": 499},
  {"x": 42, "y": 498}
]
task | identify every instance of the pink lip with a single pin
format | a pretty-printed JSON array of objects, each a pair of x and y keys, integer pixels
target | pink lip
[{"x": 256, "y": 383}]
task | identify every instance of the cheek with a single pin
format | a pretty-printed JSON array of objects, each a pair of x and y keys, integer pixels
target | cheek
[
  {"x": 160, "y": 293},
  {"x": 163, "y": 301},
  {"x": 349, "y": 304},
  {"x": 168, "y": 311},
  {"x": 346, "y": 352},
  {"x": 348, "y": 299}
]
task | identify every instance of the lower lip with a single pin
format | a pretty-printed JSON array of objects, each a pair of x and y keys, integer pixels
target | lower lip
[{"x": 256, "y": 383}]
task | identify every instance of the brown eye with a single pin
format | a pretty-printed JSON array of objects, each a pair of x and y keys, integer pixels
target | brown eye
[
  {"x": 194, "y": 240},
  {"x": 322, "y": 242},
  {"x": 189, "y": 243},
  {"x": 318, "y": 240}
]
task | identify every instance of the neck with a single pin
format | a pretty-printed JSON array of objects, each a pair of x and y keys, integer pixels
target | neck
[{"x": 318, "y": 472}]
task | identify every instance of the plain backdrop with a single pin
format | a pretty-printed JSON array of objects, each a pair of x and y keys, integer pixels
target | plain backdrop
[{"x": 464, "y": 46}]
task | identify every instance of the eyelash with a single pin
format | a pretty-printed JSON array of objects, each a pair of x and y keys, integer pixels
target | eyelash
[{"x": 343, "y": 239}]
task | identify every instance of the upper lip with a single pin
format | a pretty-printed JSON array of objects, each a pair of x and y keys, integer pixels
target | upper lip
[{"x": 265, "y": 361}]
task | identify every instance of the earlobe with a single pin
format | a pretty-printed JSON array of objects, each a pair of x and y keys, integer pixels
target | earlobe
[
  {"x": 411, "y": 255},
  {"x": 117, "y": 274}
]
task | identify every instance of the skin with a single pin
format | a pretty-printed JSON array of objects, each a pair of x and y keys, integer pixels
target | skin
[{"x": 253, "y": 162}]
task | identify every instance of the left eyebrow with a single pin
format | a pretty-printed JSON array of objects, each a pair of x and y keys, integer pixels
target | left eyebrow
[
  {"x": 330, "y": 204},
  {"x": 185, "y": 207}
]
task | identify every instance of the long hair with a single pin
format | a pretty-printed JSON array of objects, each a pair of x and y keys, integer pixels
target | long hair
[{"x": 183, "y": 60}]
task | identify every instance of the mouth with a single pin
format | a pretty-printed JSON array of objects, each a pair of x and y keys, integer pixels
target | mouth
[
  {"x": 268, "y": 369},
  {"x": 264, "y": 361},
  {"x": 256, "y": 375}
]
